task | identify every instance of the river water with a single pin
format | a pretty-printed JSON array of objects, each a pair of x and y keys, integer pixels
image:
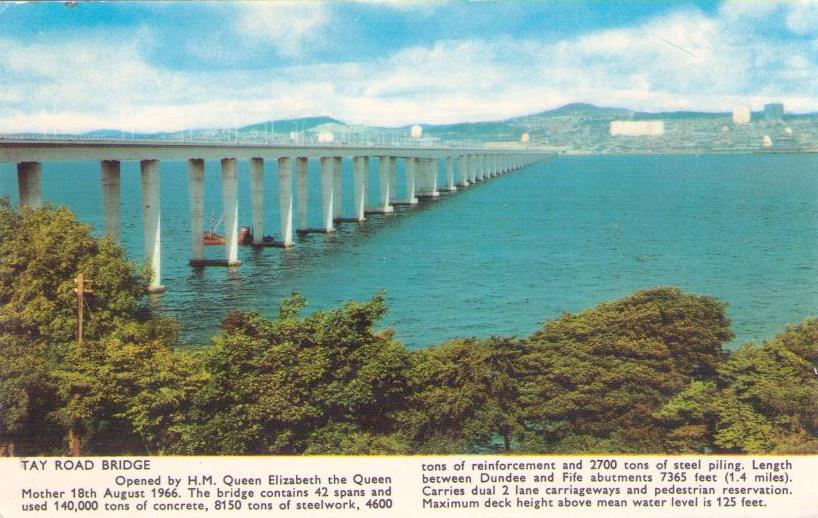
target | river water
[{"x": 501, "y": 257}]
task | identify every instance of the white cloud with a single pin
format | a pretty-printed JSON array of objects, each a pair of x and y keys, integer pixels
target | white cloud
[
  {"x": 802, "y": 17},
  {"x": 682, "y": 60},
  {"x": 290, "y": 26}
]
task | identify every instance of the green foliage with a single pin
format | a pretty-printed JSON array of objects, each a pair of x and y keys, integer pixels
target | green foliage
[
  {"x": 43, "y": 250},
  {"x": 49, "y": 384},
  {"x": 27, "y": 394},
  {"x": 770, "y": 400},
  {"x": 464, "y": 396},
  {"x": 604, "y": 372},
  {"x": 347, "y": 439},
  {"x": 274, "y": 383},
  {"x": 688, "y": 418}
]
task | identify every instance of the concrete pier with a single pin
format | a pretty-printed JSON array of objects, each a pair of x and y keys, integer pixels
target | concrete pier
[
  {"x": 411, "y": 177},
  {"x": 360, "y": 172},
  {"x": 257, "y": 197},
  {"x": 230, "y": 209},
  {"x": 110, "y": 176},
  {"x": 337, "y": 203},
  {"x": 411, "y": 166},
  {"x": 301, "y": 168},
  {"x": 463, "y": 165},
  {"x": 195, "y": 182},
  {"x": 450, "y": 186},
  {"x": 285, "y": 200},
  {"x": 29, "y": 184},
  {"x": 152, "y": 221},
  {"x": 328, "y": 192},
  {"x": 385, "y": 186},
  {"x": 393, "y": 177},
  {"x": 427, "y": 173},
  {"x": 433, "y": 174}
]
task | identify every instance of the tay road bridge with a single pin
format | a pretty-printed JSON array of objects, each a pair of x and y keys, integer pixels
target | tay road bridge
[{"x": 464, "y": 167}]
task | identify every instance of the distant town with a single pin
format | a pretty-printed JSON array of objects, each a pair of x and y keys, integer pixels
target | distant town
[{"x": 574, "y": 129}]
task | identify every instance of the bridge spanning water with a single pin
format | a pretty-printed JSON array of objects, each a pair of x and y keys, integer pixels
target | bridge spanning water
[{"x": 463, "y": 167}]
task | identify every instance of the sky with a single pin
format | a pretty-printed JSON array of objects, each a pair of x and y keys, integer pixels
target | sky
[{"x": 154, "y": 66}]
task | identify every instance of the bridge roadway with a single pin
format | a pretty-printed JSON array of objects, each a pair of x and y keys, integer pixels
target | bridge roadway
[{"x": 421, "y": 171}]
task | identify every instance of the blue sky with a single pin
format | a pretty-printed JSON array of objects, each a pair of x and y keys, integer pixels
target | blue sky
[{"x": 165, "y": 66}]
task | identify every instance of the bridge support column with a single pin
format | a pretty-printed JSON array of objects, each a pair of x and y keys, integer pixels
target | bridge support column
[
  {"x": 393, "y": 177},
  {"x": 474, "y": 165},
  {"x": 463, "y": 165},
  {"x": 230, "y": 207},
  {"x": 428, "y": 170},
  {"x": 411, "y": 169},
  {"x": 450, "y": 187},
  {"x": 434, "y": 175},
  {"x": 338, "y": 168},
  {"x": 285, "y": 200},
  {"x": 301, "y": 164},
  {"x": 195, "y": 183},
  {"x": 151, "y": 219},
  {"x": 109, "y": 173},
  {"x": 360, "y": 171},
  {"x": 386, "y": 186},
  {"x": 327, "y": 192},
  {"x": 257, "y": 197},
  {"x": 420, "y": 176},
  {"x": 29, "y": 184}
]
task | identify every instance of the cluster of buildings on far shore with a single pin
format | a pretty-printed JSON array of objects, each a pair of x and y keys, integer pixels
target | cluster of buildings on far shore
[{"x": 741, "y": 130}]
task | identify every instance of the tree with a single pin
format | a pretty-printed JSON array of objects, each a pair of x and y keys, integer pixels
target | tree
[
  {"x": 593, "y": 380},
  {"x": 51, "y": 385},
  {"x": 465, "y": 396},
  {"x": 278, "y": 386},
  {"x": 688, "y": 418},
  {"x": 770, "y": 396},
  {"x": 43, "y": 250}
]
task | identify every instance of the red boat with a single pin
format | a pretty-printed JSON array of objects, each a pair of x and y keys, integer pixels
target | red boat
[{"x": 210, "y": 237}]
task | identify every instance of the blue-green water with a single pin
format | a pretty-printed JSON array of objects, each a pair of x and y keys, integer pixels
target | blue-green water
[{"x": 501, "y": 257}]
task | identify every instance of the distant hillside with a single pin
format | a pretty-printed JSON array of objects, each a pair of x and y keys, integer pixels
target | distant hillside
[
  {"x": 581, "y": 109},
  {"x": 681, "y": 115},
  {"x": 575, "y": 127},
  {"x": 288, "y": 125}
]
